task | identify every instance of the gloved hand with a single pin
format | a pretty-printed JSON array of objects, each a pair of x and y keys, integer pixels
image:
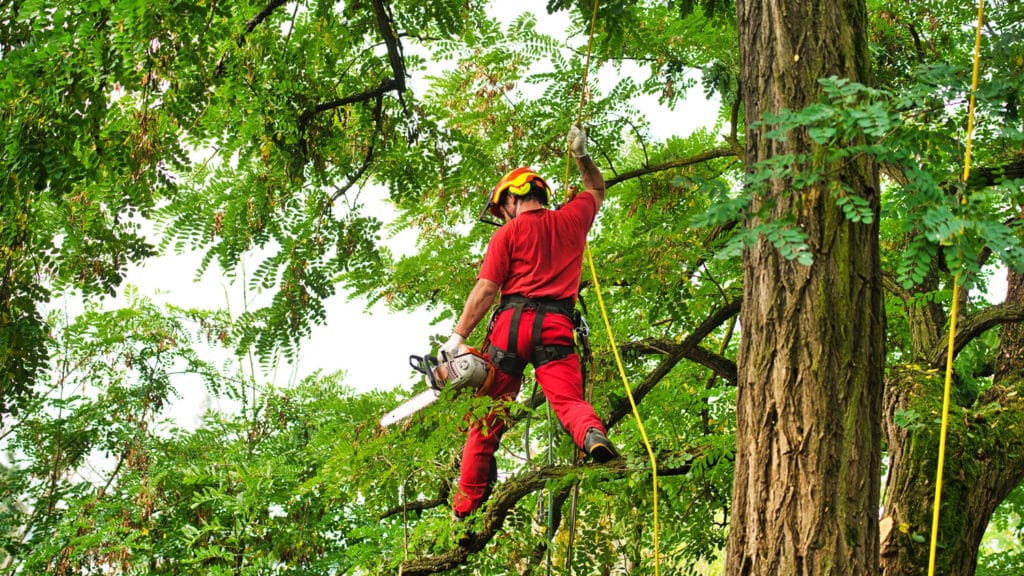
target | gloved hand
[
  {"x": 450, "y": 349},
  {"x": 578, "y": 141}
]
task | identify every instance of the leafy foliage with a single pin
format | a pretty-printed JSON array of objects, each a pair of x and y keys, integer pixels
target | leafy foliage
[
  {"x": 1004, "y": 556},
  {"x": 83, "y": 162},
  {"x": 277, "y": 131},
  {"x": 97, "y": 421}
]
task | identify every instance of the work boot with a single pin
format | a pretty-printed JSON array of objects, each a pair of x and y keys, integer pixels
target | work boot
[{"x": 598, "y": 446}]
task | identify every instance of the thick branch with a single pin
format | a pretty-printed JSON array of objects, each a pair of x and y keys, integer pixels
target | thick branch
[
  {"x": 975, "y": 325},
  {"x": 391, "y": 41},
  {"x": 688, "y": 348},
  {"x": 512, "y": 491},
  {"x": 893, "y": 287},
  {"x": 386, "y": 85},
  {"x": 397, "y": 62},
  {"x": 720, "y": 365},
  {"x": 723, "y": 152},
  {"x": 990, "y": 176}
]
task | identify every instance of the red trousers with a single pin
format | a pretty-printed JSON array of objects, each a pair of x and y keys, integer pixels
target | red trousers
[{"x": 562, "y": 384}]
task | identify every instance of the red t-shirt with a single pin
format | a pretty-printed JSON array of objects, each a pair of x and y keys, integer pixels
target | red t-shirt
[{"x": 539, "y": 253}]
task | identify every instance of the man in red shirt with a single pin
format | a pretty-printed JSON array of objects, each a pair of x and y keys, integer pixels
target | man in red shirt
[{"x": 534, "y": 260}]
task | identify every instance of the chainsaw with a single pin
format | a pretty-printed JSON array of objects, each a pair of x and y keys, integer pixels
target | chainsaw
[{"x": 467, "y": 369}]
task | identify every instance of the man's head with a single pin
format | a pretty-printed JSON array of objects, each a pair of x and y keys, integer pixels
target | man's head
[{"x": 518, "y": 185}]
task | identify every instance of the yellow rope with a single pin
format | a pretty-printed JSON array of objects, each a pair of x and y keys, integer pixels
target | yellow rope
[
  {"x": 604, "y": 312},
  {"x": 632, "y": 403},
  {"x": 953, "y": 314}
]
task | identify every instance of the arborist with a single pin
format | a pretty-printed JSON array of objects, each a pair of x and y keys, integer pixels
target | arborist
[{"x": 534, "y": 260}]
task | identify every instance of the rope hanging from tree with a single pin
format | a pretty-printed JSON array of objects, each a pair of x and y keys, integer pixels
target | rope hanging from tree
[
  {"x": 604, "y": 312},
  {"x": 953, "y": 312}
]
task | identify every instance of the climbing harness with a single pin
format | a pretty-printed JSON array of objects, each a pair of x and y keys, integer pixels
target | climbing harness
[
  {"x": 507, "y": 359},
  {"x": 953, "y": 312}
]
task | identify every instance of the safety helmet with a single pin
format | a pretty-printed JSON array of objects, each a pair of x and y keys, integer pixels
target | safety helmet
[
  {"x": 469, "y": 368},
  {"x": 517, "y": 183}
]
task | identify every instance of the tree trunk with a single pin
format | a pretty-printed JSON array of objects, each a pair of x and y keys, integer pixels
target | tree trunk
[
  {"x": 984, "y": 460},
  {"x": 811, "y": 359}
]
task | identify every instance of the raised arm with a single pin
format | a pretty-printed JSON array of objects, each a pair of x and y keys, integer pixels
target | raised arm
[{"x": 593, "y": 180}]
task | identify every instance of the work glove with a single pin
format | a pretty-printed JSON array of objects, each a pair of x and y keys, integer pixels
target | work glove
[
  {"x": 578, "y": 141},
  {"x": 450, "y": 349}
]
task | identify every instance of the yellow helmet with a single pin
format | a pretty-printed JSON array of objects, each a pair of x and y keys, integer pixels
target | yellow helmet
[{"x": 518, "y": 183}]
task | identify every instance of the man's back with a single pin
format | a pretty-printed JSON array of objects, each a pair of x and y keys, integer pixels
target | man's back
[{"x": 539, "y": 254}]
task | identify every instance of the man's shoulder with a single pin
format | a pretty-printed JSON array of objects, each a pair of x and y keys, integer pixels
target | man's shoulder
[{"x": 582, "y": 203}]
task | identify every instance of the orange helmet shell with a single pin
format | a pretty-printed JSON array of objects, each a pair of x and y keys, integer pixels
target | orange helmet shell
[{"x": 516, "y": 182}]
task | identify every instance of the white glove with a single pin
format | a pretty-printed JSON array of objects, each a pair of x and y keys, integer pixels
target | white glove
[
  {"x": 450, "y": 349},
  {"x": 578, "y": 141}
]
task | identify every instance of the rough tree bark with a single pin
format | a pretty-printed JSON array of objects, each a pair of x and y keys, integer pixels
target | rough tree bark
[
  {"x": 810, "y": 370},
  {"x": 984, "y": 450}
]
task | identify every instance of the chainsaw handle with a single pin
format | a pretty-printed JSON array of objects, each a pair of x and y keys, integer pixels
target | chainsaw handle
[{"x": 425, "y": 365}]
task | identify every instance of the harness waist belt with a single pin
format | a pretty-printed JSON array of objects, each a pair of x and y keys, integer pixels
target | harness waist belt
[{"x": 563, "y": 307}]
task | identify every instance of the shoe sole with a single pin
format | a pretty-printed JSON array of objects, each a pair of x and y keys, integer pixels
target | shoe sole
[{"x": 602, "y": 453}]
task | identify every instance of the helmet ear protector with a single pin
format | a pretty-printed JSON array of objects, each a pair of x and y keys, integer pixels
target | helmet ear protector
[{"x": 518, "y": 182}]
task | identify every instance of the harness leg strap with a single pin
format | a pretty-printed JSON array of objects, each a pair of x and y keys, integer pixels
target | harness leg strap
[{"x": 508, "y": 360}]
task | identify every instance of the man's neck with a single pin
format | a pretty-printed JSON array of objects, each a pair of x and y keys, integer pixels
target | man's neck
[{"x": 529, "y": 206}]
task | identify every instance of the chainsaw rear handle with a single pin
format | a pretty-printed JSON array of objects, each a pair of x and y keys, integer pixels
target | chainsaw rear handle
[{"x": 426, "y": 365}]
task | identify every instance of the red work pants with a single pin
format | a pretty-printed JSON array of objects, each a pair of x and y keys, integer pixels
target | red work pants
[{"x": 561, "y": 382}]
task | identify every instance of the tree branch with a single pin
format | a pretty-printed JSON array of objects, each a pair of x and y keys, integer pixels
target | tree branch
[
  {"x": 249, "y": 27},
  {"x": 722, "y": 152},
  {"x": 377, "y": 130},
  {"x": 723, "y": 367},
  {"x": 974, "y": 325},
  {"x": 987, "y": 176},
  {"x": 893, "y": 287},
  {"x": 263, "y": 15},
  {"x": 688, "y": 348},
  {"x": 396, "y": 83},
  {"x": 391, "y": 41},
  {"x": 512, "y": 491}
]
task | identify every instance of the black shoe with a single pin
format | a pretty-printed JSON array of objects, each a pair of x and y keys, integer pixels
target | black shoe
[{"x": 598, "y": 446}]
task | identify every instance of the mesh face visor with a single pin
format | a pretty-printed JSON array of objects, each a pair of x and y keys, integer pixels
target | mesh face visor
[{"x": 518, "y": 183}]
